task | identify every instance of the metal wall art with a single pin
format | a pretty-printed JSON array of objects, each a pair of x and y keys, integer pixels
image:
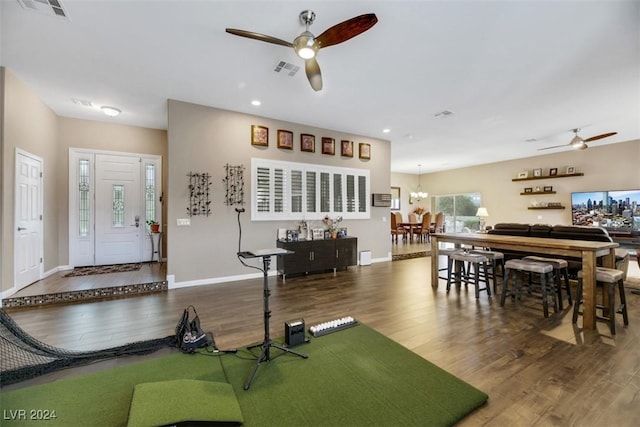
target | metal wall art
[
  {"x": 199, "y": 191},
  {"x": 234, "y": 183}
]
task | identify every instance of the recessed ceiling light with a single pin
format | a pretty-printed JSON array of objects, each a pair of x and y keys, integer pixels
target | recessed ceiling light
[
  {"x": 386, "y": 130},
  {"x": 110, "y": 111},
  {"x": 256, "y": 103}
]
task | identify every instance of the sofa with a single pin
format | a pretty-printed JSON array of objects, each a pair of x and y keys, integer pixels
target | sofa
[{"x": 573, "y": 232}]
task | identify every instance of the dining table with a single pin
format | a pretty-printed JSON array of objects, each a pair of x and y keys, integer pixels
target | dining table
[
  {"x": 586, "y": 251},
  {"x": 411, "y": 228}
]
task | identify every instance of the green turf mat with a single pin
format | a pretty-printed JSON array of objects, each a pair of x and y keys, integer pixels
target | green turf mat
[{"x": 355, "y": 377}]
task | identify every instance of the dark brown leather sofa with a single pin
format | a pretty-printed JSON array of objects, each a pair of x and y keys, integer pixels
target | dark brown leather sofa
[{"x": 573, "y": 232}]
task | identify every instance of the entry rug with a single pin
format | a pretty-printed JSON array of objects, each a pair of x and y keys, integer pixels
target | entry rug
[{"x": 103, "y": 269}]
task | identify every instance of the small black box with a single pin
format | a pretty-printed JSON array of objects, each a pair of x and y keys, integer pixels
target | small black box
[{"x": 294, "y": 332}]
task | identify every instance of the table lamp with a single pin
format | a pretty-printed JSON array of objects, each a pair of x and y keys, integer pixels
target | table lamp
[{"x": 482, "y": 214}]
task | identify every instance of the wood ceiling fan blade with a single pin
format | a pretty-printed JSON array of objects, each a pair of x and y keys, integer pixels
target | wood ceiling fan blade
[
  {"x": 345, "y": 30},
  {"x": 258, "y": 36},
  {"x": 555, "y": 146},
  {"x": 597, "y": 137},
  {"x": 313, "y": 73}
]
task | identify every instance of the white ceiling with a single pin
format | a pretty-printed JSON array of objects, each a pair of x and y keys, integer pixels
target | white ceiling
[{"x": 509, "y": 71}]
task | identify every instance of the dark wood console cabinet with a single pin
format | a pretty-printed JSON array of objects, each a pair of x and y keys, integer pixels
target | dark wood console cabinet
[{"x": 318, "y": 255}]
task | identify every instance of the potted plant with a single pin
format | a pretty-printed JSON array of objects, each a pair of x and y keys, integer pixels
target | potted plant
[
  {"x": 332, "y": 224},
  {"x": 153, "y": 225}
]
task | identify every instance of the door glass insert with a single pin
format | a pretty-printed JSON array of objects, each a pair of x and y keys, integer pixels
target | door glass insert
[{"x": 118, "y": 206}]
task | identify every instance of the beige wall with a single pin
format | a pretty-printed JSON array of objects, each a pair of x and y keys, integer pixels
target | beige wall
[
  {"x": 30, "y": 125},
  {"x": 204, "y": 139},
  {"x": 605, "y": 167}
]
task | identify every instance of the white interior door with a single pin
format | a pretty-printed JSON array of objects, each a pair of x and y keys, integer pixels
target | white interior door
[
  {"x": 119, "y": 219},
  {"x": 28, "y": 241}
]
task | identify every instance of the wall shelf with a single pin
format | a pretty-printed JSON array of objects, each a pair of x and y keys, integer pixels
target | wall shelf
[
  {"x": 531, "y": 193},
  {"x": 564, "y": 175},
  {"x": 546, "y": 207}
]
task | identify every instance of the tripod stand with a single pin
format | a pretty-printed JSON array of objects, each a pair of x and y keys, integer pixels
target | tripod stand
[{"x": 267, "y": 344}]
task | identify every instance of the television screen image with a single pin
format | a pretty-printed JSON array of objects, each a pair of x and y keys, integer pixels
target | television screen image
[{"x": 609, "y": 209}]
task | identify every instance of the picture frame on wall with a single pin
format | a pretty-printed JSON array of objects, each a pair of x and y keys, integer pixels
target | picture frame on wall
[
  {"x": 523, "y": 174},
  {"x": 571, "y": 170},
  {"x": 328, "y": 146},
  {"x": 259, "y": 135},
  {"x": 548, "y": 188},
  {"x": 307, "y": 143},
  {"x": 285, "y": 139},
  {"x": 553, "y": 171},
  {"x": 528, "y": 190},
  {"x": 364, "y": 150},
  {"x": 537, "y": 172},
  {"x": 346, "y": 148}
]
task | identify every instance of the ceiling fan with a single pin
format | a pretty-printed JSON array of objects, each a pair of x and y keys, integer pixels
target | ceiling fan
[
  {"x": 578, "y": 143},
  {"x": 307, "y": 45}
]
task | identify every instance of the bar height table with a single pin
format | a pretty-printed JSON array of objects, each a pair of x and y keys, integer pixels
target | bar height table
[{"x": 587, "y": 251}]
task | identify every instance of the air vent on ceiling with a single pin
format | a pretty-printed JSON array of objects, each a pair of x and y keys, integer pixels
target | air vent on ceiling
[
  {"x": 48, "y": 7},
  {"x": 82, "y": 102},
  {"x": 442, "y": 114},
  {"x": 287, "y": 67}
]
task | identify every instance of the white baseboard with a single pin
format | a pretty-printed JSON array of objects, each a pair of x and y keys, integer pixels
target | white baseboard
[{"x": 172, "y": 284}]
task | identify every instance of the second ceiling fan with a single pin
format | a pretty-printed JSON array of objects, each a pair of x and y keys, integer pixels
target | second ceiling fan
[
  {"x": 307, "y": 45},
  {"x": 579, "y": 143}
]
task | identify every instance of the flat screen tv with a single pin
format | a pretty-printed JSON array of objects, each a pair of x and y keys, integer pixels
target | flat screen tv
[{"x": 619, "y": 210}]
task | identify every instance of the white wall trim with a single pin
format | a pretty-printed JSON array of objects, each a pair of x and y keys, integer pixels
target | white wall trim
[{"x": 172, "y": 284}]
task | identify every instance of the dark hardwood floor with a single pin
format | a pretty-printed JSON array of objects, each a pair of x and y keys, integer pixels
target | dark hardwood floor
[{"x": 536, "y": 371}]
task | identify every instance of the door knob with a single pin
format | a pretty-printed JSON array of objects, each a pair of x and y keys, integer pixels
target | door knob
[{"x": 137, "y": 224}]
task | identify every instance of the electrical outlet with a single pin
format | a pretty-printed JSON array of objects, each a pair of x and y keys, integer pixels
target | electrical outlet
[
  {"x": 539, "y": 216},
  {"x": 182, "y": 222}
]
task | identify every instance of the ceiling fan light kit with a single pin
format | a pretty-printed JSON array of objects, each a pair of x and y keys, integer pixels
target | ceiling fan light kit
[{"x": 306, "y": 45}]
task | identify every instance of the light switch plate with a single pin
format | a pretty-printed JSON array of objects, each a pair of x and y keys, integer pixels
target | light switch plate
[{"x": 182, "y": 222}]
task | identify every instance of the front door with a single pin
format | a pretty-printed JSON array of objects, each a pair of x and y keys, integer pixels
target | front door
[
  {"x": 28, "y": 241},
  {"x": 119, "y": 217}
]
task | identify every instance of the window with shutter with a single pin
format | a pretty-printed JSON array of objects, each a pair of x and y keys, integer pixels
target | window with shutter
[{"x": 291, "y": 191}]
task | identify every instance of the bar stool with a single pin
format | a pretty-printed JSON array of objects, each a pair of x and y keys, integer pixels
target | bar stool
[
  {"x": 495, "y": 258},
  {"x": 447, "y": 252},
  {"x": 609, "y": 277},
  {"x": 560, "y": 268},
  {"x": 472, "y": 275},
  {"x": 516, "y": 268}
]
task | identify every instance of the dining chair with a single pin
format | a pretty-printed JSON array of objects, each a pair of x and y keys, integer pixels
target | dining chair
[
  {"x": 425, "y": 228},
  {"x": 437, "y": 227},
  {"x": 395, "y": 229}
]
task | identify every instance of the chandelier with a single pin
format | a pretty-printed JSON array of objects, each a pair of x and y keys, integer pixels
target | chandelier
[{"x": 418, "y": 194}]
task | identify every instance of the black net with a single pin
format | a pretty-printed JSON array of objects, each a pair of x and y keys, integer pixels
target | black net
[{"x": 23, "y": 357}]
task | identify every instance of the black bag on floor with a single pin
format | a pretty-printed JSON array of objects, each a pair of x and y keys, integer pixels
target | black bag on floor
[{"x": 189, "y": 335}]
